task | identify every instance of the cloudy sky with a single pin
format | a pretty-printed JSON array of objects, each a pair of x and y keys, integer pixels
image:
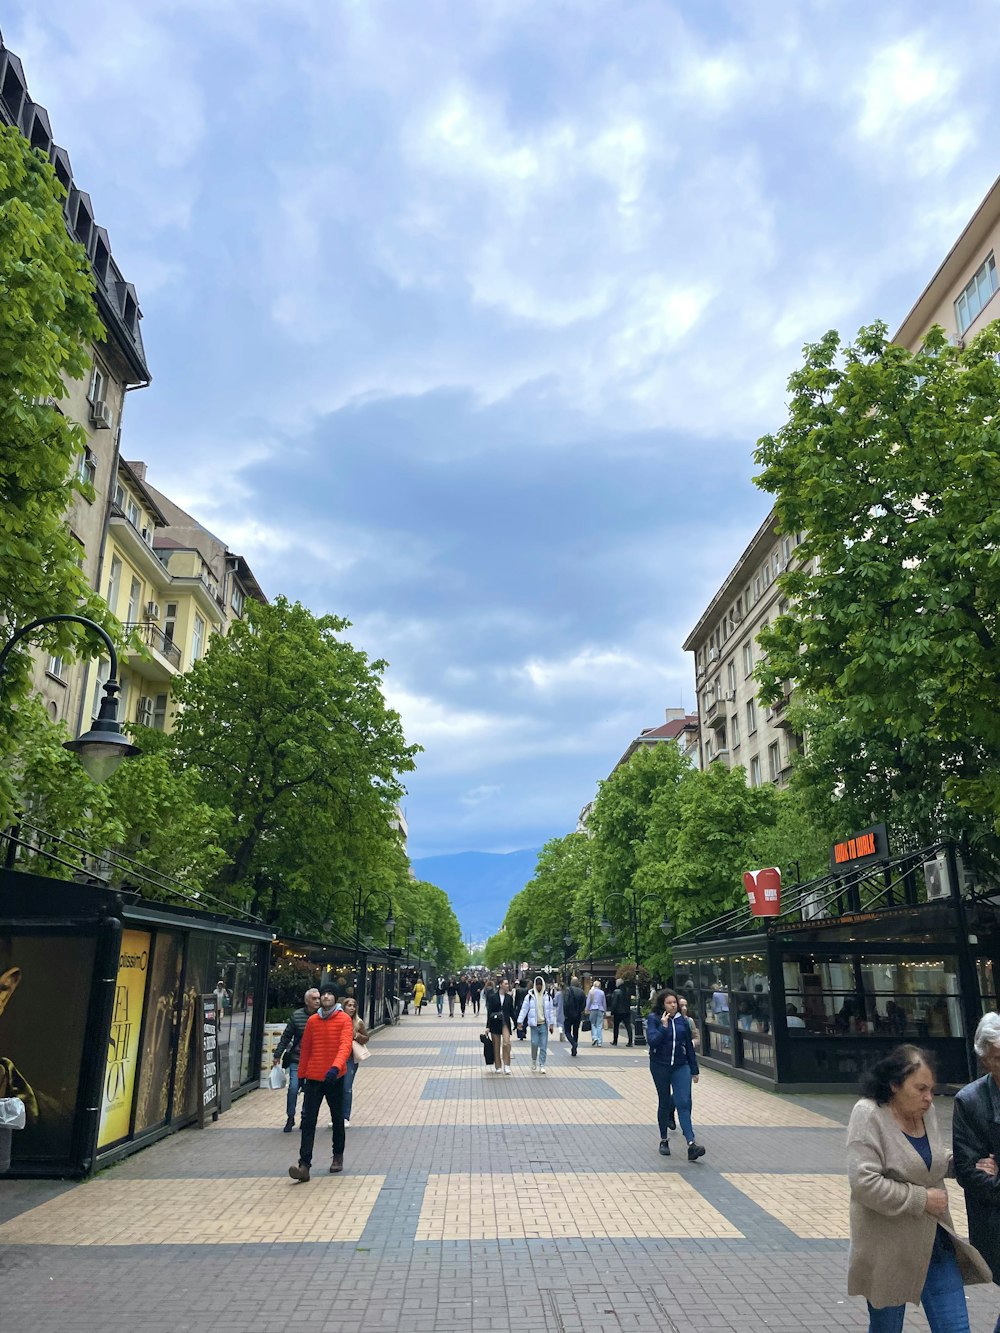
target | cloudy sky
[{"x": 464, "y": 315}]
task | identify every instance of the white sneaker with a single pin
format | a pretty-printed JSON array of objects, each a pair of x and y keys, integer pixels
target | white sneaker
[
  {"x": 541, "y": 1069},
  {"x": 347, "y": 1124},
  {"x": 506, "y": 1069}
]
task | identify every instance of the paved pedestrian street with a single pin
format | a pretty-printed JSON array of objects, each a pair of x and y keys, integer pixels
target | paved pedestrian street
[{"x": 470, "y": 1201}]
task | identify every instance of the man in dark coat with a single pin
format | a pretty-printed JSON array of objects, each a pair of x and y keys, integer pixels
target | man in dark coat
[
  {"x": 574, "y": 1003},
  {"x": 289, "y": 1048},
  {"x": 520, "y": 995},
  {"x": 621, "y": 1009},
  {"x": 976, "y": 1144}
]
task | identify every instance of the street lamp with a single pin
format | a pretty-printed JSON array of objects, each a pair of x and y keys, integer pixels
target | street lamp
[
  {"x": 634, "y": 903},
  {"x": 104, "y": 746}
]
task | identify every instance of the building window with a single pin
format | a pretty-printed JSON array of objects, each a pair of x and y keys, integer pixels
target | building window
[
  {"x": 239, "y": 600},
  {"x": 765, "y": 575},
  {"x": 98, "y": 391},
  {"x": 114, "y": 585},
  {"x": 55, "y": 666},
  {"x": 755, "y": 771},
  {"x": 774, "y": 761},
  {"x": 170, "y": 624},
  {"x": 980, "y": 289},
  {"x": 786, "y": 549},
  {"x": 756, "y": 588},
  {"x": 731, "y": 671},
  {"x": 160, "y": 712},
  {"x": 708, "y": 749},
  {"x": 747, "y": 658},
  {"x": 751, "y": 717},
  {"x": 103, "y": 675},
  {"x": 87, "y": 469},
  {"x": 134, "y": 597},
  {"x": 197, "y": 638},
  {"x": 734, "y": 731}
]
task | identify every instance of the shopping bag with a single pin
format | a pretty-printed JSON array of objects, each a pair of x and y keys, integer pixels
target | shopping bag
[
  {"x": 12, "y": 1113},
  {"x": 487, "y": 1041},
  {"x": 276, "y": 1078},
  {"x": 585, "y": 1025}
]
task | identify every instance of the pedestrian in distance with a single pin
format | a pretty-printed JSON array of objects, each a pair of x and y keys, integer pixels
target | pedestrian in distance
[
  {"x": 621, "y": 1011},
  {"x": 975, "y": 1128},
  {"x": 537, "y": 1014},
  {"x": 289, "y": 1048},
  {"x": 463, "y": 992},
  {"x": 362, "y": 1037},
  {"x": 520, "y": 994},
  {"x": 419, "y": 991},
  {"x": 440, "y": 986},
  {"x": 574, "y": 1004},
  {"x": 695, "y": 1038},
  {"x": 452, "y": 991},
  {"x": 903, "y": 1245},
  {"x": 500, "y": 1024},
  {"x": 326, "y": 1049},
  {"x": 558, "y": 1004},
  {"x": 673, "y": 1065},
  {"x": 597, "y": 1007},
  {"x": 475, "y": 991}
]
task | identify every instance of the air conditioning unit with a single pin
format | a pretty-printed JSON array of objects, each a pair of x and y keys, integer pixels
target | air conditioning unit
[
  {"x": 152, "y": 610},
  {"x": 938, "y": 880},
  {"x": 812, "y": 906},
  {"x": 144, "y": 713},
  {"x": 713, "y": 654},
  {"x": 100, "y": 415}
]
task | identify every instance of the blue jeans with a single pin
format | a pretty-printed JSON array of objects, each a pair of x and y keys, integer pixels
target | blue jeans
[
  {"x": 293, "y": 1091},
  {"x": 539, "y": 1043},
  {"x": 351, "y": 1070},
  {"x": 439, "y": 1000},
  {"x": 597, "y": 1026},
  {"x": 943, "y": 1298},
  {"x": 673, "y": 1088}
]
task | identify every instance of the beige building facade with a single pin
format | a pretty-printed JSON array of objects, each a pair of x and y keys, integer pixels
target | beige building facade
[{"x": 735, "y": 728}]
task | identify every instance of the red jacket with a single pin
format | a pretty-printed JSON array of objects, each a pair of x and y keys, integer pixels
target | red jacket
[{"x": 326, "y": 1042}]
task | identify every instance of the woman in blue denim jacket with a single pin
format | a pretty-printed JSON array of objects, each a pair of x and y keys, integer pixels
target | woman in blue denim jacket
[{"x": 674, "y": 1067}]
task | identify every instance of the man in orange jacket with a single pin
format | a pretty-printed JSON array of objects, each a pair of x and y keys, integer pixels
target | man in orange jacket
[{"x": 323, "y": 1057}]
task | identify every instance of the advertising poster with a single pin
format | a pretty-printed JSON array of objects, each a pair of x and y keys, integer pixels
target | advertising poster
[
  {"x": 45, "y": 981},
  {"x": 157, "y": 1038},
  {"x": 189, "y": 1033},
  {"x": 123, "y": 1042}
]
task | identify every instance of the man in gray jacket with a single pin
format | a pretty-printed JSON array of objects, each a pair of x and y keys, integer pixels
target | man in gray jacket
[{"x": 287, "y": 1051}]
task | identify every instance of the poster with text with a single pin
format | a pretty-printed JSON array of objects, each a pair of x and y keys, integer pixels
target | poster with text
[
  {"x": 158, "y": 1032},
  {"x": 123, "y": 1042}
]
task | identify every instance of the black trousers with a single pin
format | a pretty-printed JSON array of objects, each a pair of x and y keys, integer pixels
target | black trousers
[
  {"x": 475, "y": 1003},
  {"x": 618, "y": 1020},
  {"x": 572, "y": 1029},
  {"x": 316, "y": 1091}
]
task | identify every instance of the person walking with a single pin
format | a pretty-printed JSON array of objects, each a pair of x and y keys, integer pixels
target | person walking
[
  {"x": 361, "y": 1036},
  {"x": 673, "y": 1066},
  {"x": 559, "y": 1006},
  {"x": 419, "y": 991},
  {"x": 597, "y": 1007},
  {"x": 500, "y": 1024},
  {"x": 326, "y": 1049},
  {"x": 520, "y": 994},
  {"x": 537, "y": 1014},
  {"x": 975, "y": 1129},
  {"x": 903, "y": 1244},
  {"x": 440, "y": 986},
  {"x": 463, "y": 992},
  {"x": 475, "y": 991},
  {"x": 621, "y": 1010},
  {"x": 452, "y": 991},
  {"x": 574, "y": 1004},
  {"x": 288, "y": 1048}
]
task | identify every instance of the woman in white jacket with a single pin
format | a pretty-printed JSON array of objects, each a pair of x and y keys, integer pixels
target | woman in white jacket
[{"x": 538, "y": 1015}]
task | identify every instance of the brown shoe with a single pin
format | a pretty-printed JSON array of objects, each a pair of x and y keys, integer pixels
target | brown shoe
[
  {"x": 300, "y": 1172},
  {"x": 337, "y": 1164}
]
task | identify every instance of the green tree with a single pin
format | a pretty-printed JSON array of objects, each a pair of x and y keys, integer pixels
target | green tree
[
  {"x": 539, "y": 915},
  {"x": 287, "y": 726},
  {"x": 47, "y": 322},
  {"x": 496, "y": 952},
  {"x": 890, "y": 464}
]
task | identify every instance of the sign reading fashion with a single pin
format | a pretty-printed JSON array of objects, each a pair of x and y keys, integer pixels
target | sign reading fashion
[
  {"x": 871, "y": 844},
  {"x": 123, "y": 1040}
]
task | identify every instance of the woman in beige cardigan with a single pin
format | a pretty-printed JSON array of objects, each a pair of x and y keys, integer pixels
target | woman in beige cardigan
[{"x": 903, "y": 1243}]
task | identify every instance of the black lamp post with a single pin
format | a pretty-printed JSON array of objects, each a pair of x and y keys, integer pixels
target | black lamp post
[
  {"x": 634, "y": 902},
  {"x": 103, "y": 748}
]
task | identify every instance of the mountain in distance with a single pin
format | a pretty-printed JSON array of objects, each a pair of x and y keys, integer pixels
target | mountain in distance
[{"x": 479, "y": 884}]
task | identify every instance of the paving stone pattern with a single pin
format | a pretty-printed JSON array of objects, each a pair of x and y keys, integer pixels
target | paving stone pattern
[{"x": 470, "y": 1201}]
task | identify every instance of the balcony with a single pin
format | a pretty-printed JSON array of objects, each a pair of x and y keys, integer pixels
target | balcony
[
  {"x": 715, "y": 714},
  {"x": 163, "y": 660}
]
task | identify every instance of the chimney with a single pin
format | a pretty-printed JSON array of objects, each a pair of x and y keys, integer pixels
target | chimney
[
  {"x": 674, "y": 714},
  {"x": 139, "y": 469}
]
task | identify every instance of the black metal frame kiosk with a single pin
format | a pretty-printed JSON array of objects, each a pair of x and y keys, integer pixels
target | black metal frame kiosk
[
  {"x": 100, "y": 1019},
  {"x": 882, "y": 950}
]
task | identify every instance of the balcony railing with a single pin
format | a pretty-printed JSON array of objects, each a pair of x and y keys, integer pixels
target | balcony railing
[{"x": 153, "y": 637}]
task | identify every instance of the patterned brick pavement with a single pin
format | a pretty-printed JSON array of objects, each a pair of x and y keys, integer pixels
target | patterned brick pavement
[{"x": 471, "y": 1201}]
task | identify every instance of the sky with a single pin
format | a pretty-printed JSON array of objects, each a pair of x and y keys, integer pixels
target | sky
[{"x": 464, "y": 315}]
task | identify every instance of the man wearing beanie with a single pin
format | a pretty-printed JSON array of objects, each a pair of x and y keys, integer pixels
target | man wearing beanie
[{"x": 323, "y": 1057}]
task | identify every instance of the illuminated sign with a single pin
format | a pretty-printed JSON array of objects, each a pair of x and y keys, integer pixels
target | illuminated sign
[{"x": 871, "y": 844}]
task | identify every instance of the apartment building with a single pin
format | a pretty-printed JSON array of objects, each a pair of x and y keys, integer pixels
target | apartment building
[
  {"x": 734, "y": 726},
  {"x": 119, "y": 365},
  {"x": 735, "y": 729},
  {"x": 679, "y": 728},
  {"x": 172, "y": 583}
]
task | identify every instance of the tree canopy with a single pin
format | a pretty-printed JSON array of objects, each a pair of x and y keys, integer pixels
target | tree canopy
[{"x": 889, "y": 463}]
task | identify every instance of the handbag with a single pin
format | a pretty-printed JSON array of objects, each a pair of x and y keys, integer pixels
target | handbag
[
  {"x": 277, "y": 1078},
  {"x": 487, "y": 1041},
  {"x": 360, "y": 1052},
  {"x": 585, "y": 1025}
]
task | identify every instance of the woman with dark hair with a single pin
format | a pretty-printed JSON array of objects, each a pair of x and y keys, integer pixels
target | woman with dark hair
[
  {"x": 903, "y": 1244},
  {"x": 674, "y": 1067}
]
